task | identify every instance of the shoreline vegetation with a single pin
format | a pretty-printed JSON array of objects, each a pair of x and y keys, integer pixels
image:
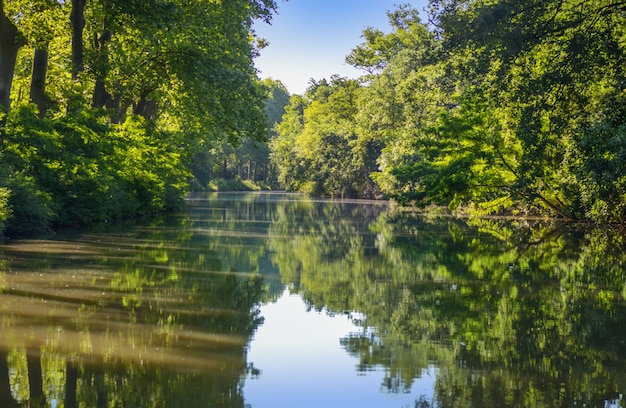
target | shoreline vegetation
[
  {"x": 236, "y": 184},
  {"x": 109, "y": 108},
  {"x": 502, "y": 107},
  {"x": 115, "y": 109}
]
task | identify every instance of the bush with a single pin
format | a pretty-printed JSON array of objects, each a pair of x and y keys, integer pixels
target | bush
[
  {"x": 311, "y": 188},
  {"x": 5, "y": 209},
  {"x": 32, "y": 209},
  {"x": 77, "y": 170},
  {"x": 236, "y": 184}
]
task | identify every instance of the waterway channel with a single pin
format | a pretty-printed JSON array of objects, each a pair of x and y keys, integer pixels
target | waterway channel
[{"x": 278, "y": 300}]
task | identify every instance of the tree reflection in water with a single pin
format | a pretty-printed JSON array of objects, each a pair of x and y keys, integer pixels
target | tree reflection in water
[
  {"x": 509, "y": 312},
  {"x": 153, "y": 315},
  {"x": 513, "y": 313}
]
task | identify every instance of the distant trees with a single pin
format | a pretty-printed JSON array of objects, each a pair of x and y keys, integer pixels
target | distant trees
[
  {"x": 226, "y": 163},
  {"x": 317, "y": 150},
  {"x": 501, "y": 106}
]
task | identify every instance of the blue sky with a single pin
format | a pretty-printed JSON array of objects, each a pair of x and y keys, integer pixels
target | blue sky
[{"x": 311, "y": 38}]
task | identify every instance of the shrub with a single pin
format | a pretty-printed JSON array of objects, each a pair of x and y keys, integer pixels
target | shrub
[
  {"x": 236, "y": 184},
  {"x": 79, "y": 169},
  {"x": 32, "y": 209},
  {"x": 5, "y": 209}
]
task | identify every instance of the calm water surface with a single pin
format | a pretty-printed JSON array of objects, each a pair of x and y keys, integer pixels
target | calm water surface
[{"x": 276, "y": 300}]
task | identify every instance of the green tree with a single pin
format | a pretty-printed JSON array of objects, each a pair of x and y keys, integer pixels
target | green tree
[
  {"x": 317, "y": 145},
  {"x": 185, "y": 68},
  {"x": 551, "y": 73},
  {"x": 501, "y": 106},
  {"x": 291, "y": 170},
  {"x": 402, "y": 97},
  {"x": 10, "y": 42},
  {"x": 227, "y": 162}
]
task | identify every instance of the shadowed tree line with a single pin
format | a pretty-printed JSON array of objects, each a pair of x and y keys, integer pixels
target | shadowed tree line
[{"x": 106, "y": 105}]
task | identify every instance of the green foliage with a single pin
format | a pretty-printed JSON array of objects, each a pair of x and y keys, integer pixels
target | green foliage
[
  {"x": 31, "y": 209},
  {"x": 120, "y": 118},
  {"x": 317, "y": 150},
  {"x": 599, "y": 164},
  {"x": 235, "y": 184},
  {"x": 247, "y": 158},
  {"x": 276, "y": 101},
  {"x": 497, "y": 107},
  {"x": 5, "y": 209},
  {"x": 550, "y": 85},
  {"x": 77, "y": 170}
]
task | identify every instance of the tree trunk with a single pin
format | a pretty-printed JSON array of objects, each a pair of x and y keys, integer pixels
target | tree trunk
[
  {"x": 6, "y": 397},
  {"x": 77, "y": 18},
  {"x": 100, "y": 95},
  {"x": 35, "y": 378},
  {"x": 145, "y": 107},
  {"x": 38, "y": 82},
  {"x": 10, "y": 43},
  {"x": 71, "y": 379},
  {"x": 117, "y": 107}
]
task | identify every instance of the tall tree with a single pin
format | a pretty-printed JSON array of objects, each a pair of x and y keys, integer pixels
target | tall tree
[
  {"x": 185, "y": 67},
  {"x": 38, "y": 26},
  {"x": 77, "y": 18},
  {"x": 553, "y": 72},
  {"x": 10, "y": 42},
  {"x": 317, "y": 149}
]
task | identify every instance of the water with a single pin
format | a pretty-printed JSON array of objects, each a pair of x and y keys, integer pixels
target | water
[{"x": 275, "y": 300}]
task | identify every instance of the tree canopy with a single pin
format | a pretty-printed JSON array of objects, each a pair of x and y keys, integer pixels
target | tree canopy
[
  {"x": 492, "y": 106},
  {"x": 104, "y": 104}
]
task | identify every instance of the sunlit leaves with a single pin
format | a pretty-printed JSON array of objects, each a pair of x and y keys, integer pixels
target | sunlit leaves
[
  {"x": 184, "y": 67},
  {"x": 317, "y": 148},
  {"x": 497, "y": 116}
]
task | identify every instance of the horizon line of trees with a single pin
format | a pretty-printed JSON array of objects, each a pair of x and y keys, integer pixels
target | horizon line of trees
[
  {"x": 105, "y": 105},
  {"x": 507, "y": 106}
]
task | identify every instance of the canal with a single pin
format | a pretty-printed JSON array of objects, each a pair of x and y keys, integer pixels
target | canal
[{"x": 278, "y": 300}]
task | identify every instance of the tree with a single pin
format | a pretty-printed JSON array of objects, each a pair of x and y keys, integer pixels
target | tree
[
  {"x": 137, "y": 89},
  {"x": 77, "y": 18},
  {"x": 510, "y": 106},
  {"x": 284, "y": 151},
  {"x": 401, "y": 98},
  {"x": 317, "y": 144},
  {"x": 11, "y": 40},
  {"x": 276, "y": 101},
  {"x": 380, "y": 49},
  {"x": 551, "y": 71},
  {"x": 39, "y": 22}
]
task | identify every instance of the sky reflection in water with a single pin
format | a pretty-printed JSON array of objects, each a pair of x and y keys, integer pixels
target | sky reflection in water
[{"x": 303, "y": 364}]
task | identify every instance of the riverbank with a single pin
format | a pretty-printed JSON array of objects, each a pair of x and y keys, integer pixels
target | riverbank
[{"x": 237, "y": 184}]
